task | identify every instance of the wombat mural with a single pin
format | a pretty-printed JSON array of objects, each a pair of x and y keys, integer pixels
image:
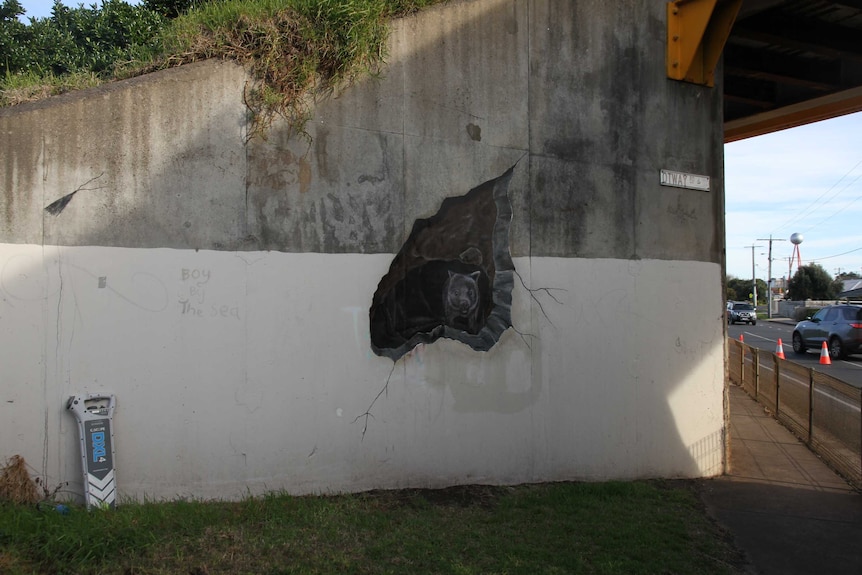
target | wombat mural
[
  {"x": 461, "y": 301},
  {"x": 452, "y": 278}
]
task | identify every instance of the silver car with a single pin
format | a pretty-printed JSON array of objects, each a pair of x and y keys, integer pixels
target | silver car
[
  {"x": 840, "y": 326},
  {"x": 741, "y": 312}
]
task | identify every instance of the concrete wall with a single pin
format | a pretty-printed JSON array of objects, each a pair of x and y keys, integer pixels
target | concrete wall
[{"x": 221, "y": 289}]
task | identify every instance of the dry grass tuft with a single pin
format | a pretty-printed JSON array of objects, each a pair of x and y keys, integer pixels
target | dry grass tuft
[
  {"x": 292, "y": 57},
  {"x": 22, "y": 88},
  {"x": 16, "y": 485}
]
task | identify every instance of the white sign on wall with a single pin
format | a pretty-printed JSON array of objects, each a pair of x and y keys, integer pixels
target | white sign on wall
[{"x": 683, "y": 180}]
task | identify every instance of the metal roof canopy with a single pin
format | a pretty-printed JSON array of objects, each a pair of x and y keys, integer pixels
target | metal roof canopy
[{"x": 786, "y": 62}]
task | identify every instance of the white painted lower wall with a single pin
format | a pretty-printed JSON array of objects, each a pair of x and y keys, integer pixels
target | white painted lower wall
[{"x": 245, "y": 372}]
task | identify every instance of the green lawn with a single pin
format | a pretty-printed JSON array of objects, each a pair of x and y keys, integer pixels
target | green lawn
[{"x": 625, "y": 528}]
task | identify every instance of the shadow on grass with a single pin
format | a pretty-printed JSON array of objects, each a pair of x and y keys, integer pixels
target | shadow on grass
[{"x": 615, "y": 527}]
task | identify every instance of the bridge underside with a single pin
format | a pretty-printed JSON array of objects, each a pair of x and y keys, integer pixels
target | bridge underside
[{"x": 789, "y": 63}]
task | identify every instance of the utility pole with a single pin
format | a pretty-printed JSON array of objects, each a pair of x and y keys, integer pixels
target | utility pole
[
  {"x": 769, "y": 276},
  {"x": 753, "y": 278}
]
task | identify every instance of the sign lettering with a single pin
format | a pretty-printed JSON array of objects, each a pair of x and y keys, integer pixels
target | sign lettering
[
  {"x": 99, "y": 450},
  {"x": 683, "y": 180}
]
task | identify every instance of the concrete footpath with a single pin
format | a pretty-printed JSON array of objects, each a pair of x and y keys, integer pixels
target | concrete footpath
[{"x": 788, "y": 511}]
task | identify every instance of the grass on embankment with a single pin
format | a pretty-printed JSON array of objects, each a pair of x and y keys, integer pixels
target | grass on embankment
[
  {"x": 293, "y": 48},
  {"x": 608, "y": 528}
]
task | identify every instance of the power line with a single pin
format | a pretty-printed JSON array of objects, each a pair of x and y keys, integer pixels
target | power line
[
  {"x": 814, "y": 203},
  {"x": 837, "y": 255},
  {"x": 841, "y": 209}
]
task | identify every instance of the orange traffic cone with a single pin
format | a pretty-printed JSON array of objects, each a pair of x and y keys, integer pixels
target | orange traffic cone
[
  {"x": 779, "y": 349},
  {"x": 824, "y": 355},
  {"x": 741, "y": 338}
]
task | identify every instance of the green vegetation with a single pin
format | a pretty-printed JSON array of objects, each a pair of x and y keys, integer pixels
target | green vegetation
[
  {"x": 811, "y": 282},
  {"x": 638, "y": 527},
  {"x": 76, "y": 40},
  {"x": 740, "y": 290},
  {"x": 294, "y": 49},
  {"x": 801, "y": 313}
]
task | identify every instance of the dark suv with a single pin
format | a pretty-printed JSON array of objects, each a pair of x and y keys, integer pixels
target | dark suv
[
  {"x": 840, "y": 326},
  {"x": 741, "y": 311}
]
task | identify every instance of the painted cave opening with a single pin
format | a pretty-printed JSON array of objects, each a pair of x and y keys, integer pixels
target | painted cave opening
[{"x": 452, "y": 278}]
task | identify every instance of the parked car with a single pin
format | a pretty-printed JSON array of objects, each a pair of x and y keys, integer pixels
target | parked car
[
  {"x": 840, "y": 326},
  {"x": 740, "y": 311}
]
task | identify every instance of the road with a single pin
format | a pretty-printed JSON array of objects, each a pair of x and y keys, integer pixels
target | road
[{"x": 765, "y": 336}]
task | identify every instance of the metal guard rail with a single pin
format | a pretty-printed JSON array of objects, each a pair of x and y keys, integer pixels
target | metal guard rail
[{"x": 824, "y": 412}]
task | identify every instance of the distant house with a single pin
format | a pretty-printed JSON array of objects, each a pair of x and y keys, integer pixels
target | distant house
[{"x": 852, "y": 290}]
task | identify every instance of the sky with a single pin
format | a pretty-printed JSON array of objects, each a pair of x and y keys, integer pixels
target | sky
[
  {"x": 805, "y": 180},
  {"x": 42, "y": 8},
  {"x": 36, "y": 8}
]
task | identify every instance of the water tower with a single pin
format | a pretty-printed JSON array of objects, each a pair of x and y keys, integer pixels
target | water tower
[{"x": 795, "y": 239}]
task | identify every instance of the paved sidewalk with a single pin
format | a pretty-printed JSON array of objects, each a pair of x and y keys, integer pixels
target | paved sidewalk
[{"x": 786, "y": 509}]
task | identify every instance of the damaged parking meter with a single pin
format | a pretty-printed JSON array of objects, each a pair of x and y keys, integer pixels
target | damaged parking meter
[{"x": 95, "y": 413}]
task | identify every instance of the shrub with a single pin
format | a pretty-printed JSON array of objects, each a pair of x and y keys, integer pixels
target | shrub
[
  {"x": 84, "y": 39},
  {"x": 803, "y": 312}
]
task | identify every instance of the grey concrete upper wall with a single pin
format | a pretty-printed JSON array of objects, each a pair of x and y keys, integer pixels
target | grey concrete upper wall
[
  {"x": 159, "y": 161},
  {"x": 573, "y": 92},
  {"x": 604, "y": 121}
]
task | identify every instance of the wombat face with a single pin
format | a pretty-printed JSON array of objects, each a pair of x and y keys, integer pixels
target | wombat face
[{"x": 461, "y": 295}]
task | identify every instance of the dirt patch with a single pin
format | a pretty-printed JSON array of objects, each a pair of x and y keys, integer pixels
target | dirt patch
[{"x": 462, "y": 496}]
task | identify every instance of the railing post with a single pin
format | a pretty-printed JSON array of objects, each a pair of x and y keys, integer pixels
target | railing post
[
  {"x": 777, "y": 385},
  {"x": 755, "y": 357},
  {"x": 810, "y": 405}
]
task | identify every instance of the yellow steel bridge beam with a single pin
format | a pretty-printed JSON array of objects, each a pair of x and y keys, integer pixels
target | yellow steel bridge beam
[{"x": 696, "y": 33}]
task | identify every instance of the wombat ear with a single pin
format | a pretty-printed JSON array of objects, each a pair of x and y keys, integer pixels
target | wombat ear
[
  {"x": 475, "y": 275},
  {"x": 451, "y": 273}
]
